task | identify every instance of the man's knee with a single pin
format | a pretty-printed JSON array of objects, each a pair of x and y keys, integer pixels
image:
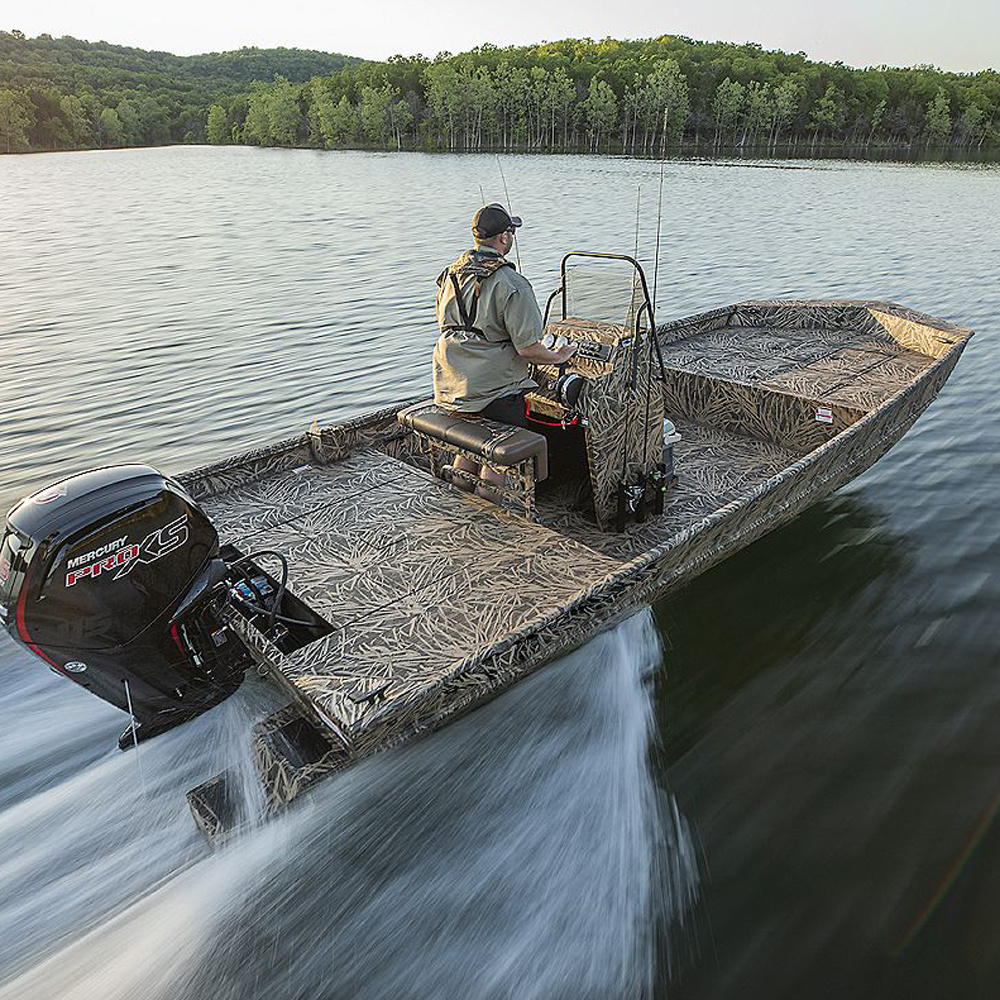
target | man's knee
[{"x": 508, "y": 410}]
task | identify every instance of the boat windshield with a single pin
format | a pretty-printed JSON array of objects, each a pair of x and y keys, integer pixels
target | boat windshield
[{"x": 605, "y": 290}]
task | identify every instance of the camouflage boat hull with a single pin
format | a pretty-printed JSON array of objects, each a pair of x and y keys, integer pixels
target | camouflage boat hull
[{"x": 779, "y": 404}]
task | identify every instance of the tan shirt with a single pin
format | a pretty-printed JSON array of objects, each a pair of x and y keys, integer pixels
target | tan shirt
[{"x": 471, "y": 370}]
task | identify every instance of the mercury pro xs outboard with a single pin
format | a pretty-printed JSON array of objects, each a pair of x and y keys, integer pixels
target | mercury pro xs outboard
[{"x": 115, "y": 579}]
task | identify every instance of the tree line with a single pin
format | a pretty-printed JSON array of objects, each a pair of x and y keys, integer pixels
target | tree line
[
  {"x": 64, "y": 93},
  {"x": 640, "y": 98},
  {"x": 644, "y": 97}
]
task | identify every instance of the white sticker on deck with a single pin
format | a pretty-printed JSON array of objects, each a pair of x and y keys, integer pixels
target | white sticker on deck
[{"x": 824, "y": 414}]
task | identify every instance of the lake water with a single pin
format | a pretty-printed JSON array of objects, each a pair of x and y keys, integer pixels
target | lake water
[{"x": 794, "y": 791}]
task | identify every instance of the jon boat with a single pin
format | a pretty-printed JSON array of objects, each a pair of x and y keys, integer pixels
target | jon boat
[{"x": 408, "y": 600}]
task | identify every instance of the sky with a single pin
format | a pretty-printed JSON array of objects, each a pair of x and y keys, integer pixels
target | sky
[{"x": 958, "y": 35}]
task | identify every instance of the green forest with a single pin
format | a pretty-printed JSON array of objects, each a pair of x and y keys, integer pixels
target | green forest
[
  {"x": 647, "y": 97},
  {"x": 63, "y": 93}
]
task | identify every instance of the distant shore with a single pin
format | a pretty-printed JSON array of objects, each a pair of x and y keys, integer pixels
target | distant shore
[
  {"x": 882, "y": 154},
  {"x": 646, "y": 97}
]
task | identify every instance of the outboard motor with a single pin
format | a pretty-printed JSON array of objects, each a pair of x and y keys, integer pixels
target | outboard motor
[{"x": 112, "y": 578}]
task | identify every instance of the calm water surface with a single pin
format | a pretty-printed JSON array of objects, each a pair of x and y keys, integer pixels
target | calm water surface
[{"x": 786, "y": 789}]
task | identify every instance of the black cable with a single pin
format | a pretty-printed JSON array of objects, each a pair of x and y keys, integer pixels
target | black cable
[
  {"x": 272, "y": 615},
  {"x": 649, "y": 384},
  {"x": 250, "y": 606}
]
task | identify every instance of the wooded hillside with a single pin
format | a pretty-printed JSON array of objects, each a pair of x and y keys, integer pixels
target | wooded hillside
[
  {"x": 643, "y": 97},
  {"x": 638, "y": 97},
  {"x": 64, "y": 93}
]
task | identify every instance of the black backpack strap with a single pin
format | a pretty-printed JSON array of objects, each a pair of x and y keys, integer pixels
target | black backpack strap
[
  {"x": 467, "y": 319},
  {"x": 475, "y": 303},
  {"x": 480, "y": 266}
]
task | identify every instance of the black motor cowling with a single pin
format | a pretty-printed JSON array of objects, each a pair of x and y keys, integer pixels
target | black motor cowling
[{"x": 109, "y": 577}]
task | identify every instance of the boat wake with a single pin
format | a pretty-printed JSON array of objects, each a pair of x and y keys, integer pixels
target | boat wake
[{"x": 521, "y": 852}]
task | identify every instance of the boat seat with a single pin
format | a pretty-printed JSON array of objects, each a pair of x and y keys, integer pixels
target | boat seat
[{"x": 521, "y": 455}]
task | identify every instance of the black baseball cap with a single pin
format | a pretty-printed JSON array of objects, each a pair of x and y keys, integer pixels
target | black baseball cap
[{"x": 492, "y": 220}]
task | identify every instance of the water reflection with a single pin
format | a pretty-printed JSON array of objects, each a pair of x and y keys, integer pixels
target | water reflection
[
  {"x": 845, "y": 793},
  {"x": 800, "y": 587}
]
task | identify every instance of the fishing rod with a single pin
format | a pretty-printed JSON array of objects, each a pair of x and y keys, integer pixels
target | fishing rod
[
  {"x": 517, "y": 252},
  {"x": 656, "y": 265},
  {"x": 659, "y": 207},
  {"x": 633, "y": 319},
  {"x": 652, "y": 322},
  {"x": 654, "y": 342},
  {"x": 635, "y": 253}
]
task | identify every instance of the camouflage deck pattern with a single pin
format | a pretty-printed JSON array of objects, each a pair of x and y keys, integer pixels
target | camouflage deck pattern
[
  {"x": 412, "y": 574},
  {"x": 440, "y": 600}
]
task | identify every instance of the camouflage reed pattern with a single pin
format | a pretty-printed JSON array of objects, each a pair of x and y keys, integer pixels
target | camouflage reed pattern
[
  {"x": 439, "y": 600},
  {"x": 622, "y": 413}
]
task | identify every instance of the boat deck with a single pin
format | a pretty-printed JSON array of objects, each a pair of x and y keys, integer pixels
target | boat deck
[
  {"x": 413, "y": 576},
  {"x": 713, "y": 466},
  {"x": 846, "y": 367},
  {"x": 852, "y": 370},
  {"x": 417, "y": 580},
  {"x": 437, "y": 599}
]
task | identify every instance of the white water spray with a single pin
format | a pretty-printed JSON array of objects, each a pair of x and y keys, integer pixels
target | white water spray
[{"x": 521, "y": 852}]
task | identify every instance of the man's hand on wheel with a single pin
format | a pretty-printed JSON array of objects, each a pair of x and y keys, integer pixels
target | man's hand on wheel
[{"x": 538, "y": 354}]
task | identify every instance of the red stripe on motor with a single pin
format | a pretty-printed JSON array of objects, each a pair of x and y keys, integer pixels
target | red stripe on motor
[
  {"x": 177, "y": 639},
  {"x": 547, "y": 423},
  {"x": 22, "y": 631}
]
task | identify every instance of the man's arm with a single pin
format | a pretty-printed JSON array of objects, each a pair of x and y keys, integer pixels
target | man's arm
[
  {"x": 524, "y": 323},
  {"x": 539, "y": 355}
]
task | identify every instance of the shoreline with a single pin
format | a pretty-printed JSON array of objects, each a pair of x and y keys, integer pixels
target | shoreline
[{"x": 686, "y": 152}]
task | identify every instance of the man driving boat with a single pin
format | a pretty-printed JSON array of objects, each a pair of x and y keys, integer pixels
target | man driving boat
[{"x": 491, "y": 327}]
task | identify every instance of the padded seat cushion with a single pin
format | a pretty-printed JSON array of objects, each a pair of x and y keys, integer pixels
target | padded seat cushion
[{"x": 497, "y": 443}]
